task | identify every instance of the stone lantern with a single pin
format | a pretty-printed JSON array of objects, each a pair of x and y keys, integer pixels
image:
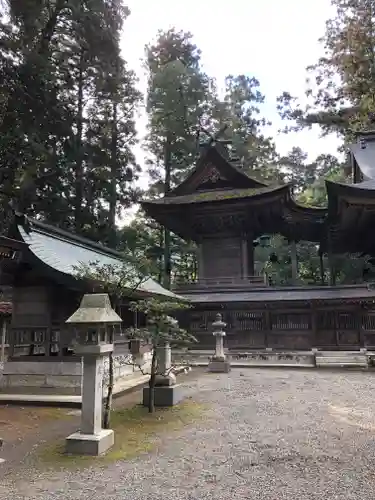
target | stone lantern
[
  {"x": 219, "y": 363},
  {"x": 94, "y": 321}
]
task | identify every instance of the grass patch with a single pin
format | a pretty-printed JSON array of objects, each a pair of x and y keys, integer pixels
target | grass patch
[{"x": 136, "y": 432}]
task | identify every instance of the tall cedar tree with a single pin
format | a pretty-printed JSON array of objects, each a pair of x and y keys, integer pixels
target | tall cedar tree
[
  {"x": 342, "y": 82},
  {"x": 59, "y": 63},
  {"x": 240, "y": 109},
  {"x": 177, "y": 98}
]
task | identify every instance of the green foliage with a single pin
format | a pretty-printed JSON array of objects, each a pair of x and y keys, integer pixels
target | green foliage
[
  {"x": 68, "y": 104},
  {"x": 177, "y": 98},
  {"x": 119, "y": 280},
  {"x": 341, "y": 94},
  {"x": 67, "y": 107},
  {"x": 161, "y": 327},
  {"x": 162, "y": 330},
  {"x": 241, "y": 111},
  {"x": 178, "y": 91}
]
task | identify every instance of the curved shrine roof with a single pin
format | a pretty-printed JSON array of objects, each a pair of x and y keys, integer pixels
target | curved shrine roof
[
  {"x": 364, "y": 155},
  {"x": 61, "y": 251},
  {"x": 217, "y": 195}
]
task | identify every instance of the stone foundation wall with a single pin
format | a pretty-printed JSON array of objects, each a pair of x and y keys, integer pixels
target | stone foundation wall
[
  {"x": 48, "y": 376},
  {"x": 62, "y": 377},
  {"x": 254, "y": 358}
]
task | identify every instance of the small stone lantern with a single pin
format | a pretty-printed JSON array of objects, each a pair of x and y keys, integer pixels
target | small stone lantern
[
  {"x": 219, "y": 363},
  {"x": 94, "y": 321}
]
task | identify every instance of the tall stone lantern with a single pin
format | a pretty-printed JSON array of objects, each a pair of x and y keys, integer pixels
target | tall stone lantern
[
  {"x": 94, "y": 321},
  {"x": 219, "y": 362}
]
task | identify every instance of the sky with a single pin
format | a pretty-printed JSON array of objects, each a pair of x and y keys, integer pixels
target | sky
[{"x": 272, "y": 40}]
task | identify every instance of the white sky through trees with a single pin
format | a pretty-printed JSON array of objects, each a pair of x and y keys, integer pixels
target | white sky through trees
[{"x": 272, "y": 40}]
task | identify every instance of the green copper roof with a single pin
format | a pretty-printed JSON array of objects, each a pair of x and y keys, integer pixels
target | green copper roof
[
  {"x": 62, "y": 251},
  {"x": 215, "y": 195}
]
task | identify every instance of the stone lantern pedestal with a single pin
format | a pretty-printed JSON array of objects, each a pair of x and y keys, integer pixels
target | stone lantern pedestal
[
  {"x": 166, "y": 391},
  {"x": 219, "y": 362},
  {"x": 95, "y": 319}
]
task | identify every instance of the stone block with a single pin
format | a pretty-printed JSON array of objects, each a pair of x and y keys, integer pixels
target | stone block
[
  {"x": 58, "y": 368},
  {"x": 24, "y": 380},
  {"x": 90, "y": 444},
  {"x": 164, "y": 396},
  {"x": 165, "y": 380},
  {"x": 219, "y": 366},
  {"x": 73, "y": 381}
]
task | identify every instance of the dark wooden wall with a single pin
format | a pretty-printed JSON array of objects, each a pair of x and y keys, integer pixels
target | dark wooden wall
[
  {"x": 329, "y": 326},
  {"x": 221, "y": 257},
  {"x": 38, "y": 327},
  {"x": 38, "y": 321}
]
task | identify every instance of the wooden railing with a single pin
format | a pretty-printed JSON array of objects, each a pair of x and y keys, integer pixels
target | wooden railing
[
  {"x": 223, "y": 281},
  {"x": 326, "y": 325}
]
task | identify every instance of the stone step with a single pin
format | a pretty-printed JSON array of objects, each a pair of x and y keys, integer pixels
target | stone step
[
  {"x": 338, "y": 361},
  {"x": 339, "y": 354},
  {"x": 347, "y": 358}
]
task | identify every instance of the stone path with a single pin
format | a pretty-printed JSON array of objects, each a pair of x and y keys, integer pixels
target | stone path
[{"x": 269, "y": 435}]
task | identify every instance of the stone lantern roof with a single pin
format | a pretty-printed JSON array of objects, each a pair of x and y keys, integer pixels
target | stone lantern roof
[{"x": 94, "y": 308}]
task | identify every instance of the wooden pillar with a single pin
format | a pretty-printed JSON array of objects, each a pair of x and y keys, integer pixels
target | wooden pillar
[
  {"x": 332, "y": 277},
  {"x": 250, "y": 256},
  {"x": 321, "y": 266},
  {"x": 3, "y": 339},
  {"x": 267, "y": 327},
  {"x": 200, "y": 262},
  {"x": 293, "y": 251},
  {"x": 314, "y": 326},
  {"x": 244, "y": 258},
  {"x": 360, "y": 312}
]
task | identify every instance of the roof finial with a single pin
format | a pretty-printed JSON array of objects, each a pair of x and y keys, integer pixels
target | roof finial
[{"x": 214, "y": 138}]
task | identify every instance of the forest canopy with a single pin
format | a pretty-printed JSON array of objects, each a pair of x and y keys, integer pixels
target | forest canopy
[{"x": 68, "y": 126}]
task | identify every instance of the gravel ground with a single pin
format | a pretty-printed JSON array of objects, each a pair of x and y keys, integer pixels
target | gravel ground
[{"x": 269, "y": 435}]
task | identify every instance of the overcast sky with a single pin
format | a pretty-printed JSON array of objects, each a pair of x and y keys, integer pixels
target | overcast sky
[{"x": 273, "y": 40}]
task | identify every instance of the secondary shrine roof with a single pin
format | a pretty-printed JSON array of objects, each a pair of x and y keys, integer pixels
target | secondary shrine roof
[
  {"x": 364, "y": 188},
  {"x": 271, "y": 294},
  {"x": 61, "y": 251},
  {"x": 364, "y": 155}
]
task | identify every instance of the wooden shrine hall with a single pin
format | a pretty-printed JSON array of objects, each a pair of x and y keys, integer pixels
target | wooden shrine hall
[
  {"x": 40, "y": 262},
  {"x": 224, "y": 210}
]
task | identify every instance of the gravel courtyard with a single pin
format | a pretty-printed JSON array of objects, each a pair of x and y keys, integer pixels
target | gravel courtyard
[{"x": 268, "y": 435}]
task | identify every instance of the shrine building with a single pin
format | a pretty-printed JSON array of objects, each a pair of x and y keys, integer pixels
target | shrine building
[{"x": 224, "y": 211}]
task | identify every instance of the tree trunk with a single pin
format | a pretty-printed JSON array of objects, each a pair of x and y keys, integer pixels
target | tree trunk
[
  {"x": 113, "y": 181},
  {"x": 48, "y": 30},
  {"x": 108, "y": 399},
  {"x": 151, "y": 383},
  {"x": 160, "y": 258},
  {"x": 79, "y": 161},
  {"x": 167, "y": 233}
]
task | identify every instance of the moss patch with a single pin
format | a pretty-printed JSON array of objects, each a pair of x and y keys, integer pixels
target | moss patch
[
  {"x": 18, "y": 422},
  {"x": 136, "y": 432}
]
